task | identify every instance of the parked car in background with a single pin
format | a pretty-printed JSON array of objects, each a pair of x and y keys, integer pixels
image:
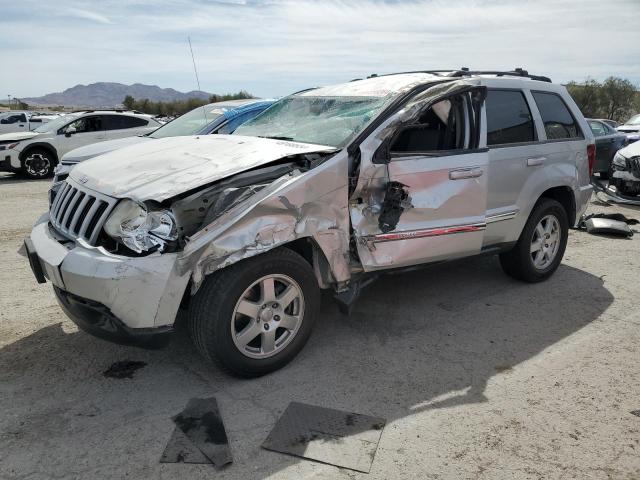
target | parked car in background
[
  {"x": 608, "y": 142},
  {"x": 611, "y": 123},
  {"x": 631, "y": 128},
  {"x": 36, "y": 153},
  {"x": 23, "y": 120},
  {"x": 625, "y": 176},
  {"x": 326, "y": 189},
  {"x": 219, "y": 117}
]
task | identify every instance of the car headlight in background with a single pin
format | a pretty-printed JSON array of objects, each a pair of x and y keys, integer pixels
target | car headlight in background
[
  {"x": 8, "y": 145},
  {"x": 619, "y": 162},
  {"x": 139, "y": 229}
]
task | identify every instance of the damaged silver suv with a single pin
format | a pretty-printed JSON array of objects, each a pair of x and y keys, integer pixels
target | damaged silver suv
[{"x": 326, "y": 189}]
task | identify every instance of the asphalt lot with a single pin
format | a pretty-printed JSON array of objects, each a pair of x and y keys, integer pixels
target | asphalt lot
[{"x": 478, "y": 376}]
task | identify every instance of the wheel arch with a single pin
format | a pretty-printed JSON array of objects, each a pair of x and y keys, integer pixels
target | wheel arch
[
  {"x": 43, "y": 145},
  {"x": 565, "y": 196},
  {"x": 308, "y": 247}
]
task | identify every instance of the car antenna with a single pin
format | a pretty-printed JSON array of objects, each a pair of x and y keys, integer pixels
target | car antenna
[{"x": 204, "y": 110}]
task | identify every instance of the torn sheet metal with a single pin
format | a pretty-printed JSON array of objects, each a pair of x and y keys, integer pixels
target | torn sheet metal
[
  {"x": 375, "y": 86},
  {"x": 608, "y": 227},
  {"x": 344, "y": 439},
  {"x": 610, "y": 194},
  {"x": 201, "y": 423},
  {"x": 171, "y": 166},
  {"x": 180, "y": 449},
  {"x": 311, "y": 204}
]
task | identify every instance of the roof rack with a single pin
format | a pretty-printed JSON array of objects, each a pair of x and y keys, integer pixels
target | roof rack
[
  {"x": 119, "y": 110},
  {"x": 465, "y": 72},
  {"x": 516, "y": 72}
]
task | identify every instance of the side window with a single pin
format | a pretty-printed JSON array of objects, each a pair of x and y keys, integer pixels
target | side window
[
  {"x": 443, "y": 127},
  {"x": 508, "y": 118},
  {"x": 558, "y": 121},
  {"x": 598, "y": 129},
  {"x": 235, "y": 122},
  {"x": 15, "y": 119},
  {"x": 119, "y": 122},
  {"x": 85, "y": 125}
]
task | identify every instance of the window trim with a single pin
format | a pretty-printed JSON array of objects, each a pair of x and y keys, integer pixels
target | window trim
[
  {"x": 575, "y": 120},
  {"x": 474, "y": 126},
  {"x": 536, "y": 138}
]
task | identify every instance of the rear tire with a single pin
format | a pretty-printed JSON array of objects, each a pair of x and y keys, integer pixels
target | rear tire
[
  {"x": 38, "y": 163},
  {"x": 541, "y": 245},
  {"x": 255, "y": 316}
]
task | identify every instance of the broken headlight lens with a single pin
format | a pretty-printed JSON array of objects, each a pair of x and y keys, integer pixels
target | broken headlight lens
[
  {"x": 619, "y": 162},
  {"x": 133, "y": 225}
]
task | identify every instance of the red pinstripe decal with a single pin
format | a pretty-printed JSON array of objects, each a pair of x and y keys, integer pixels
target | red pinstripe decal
[{"x": 432, "y": 232}]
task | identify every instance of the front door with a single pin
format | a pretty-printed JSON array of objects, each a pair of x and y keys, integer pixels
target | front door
[
  {"x": 433, "y": 201},
  {"x": 81, "y": 132}
]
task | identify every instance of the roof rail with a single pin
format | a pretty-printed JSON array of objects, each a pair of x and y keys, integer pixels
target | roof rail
[
  {"x": 516, "y": 72},
  {"x": 119, "y": 110}
]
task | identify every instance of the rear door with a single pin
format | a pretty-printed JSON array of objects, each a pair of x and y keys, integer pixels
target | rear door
[
  {"x": 120, "y": 126},
  {"x": 436, "y": 192}
]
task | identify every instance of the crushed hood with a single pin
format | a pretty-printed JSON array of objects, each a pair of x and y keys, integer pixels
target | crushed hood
[
  {"x": 89, "y": 151},
  {"x": 7, "y": 137},
  {"x": 166, "y": 167}
]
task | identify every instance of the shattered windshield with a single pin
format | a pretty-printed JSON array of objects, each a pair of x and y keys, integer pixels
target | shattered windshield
[
  {"x": 190, "y": 123},
  {"x": 322, "y": 120}
]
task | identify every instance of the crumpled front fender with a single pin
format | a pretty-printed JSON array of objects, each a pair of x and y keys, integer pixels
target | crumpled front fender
[{"x": 311, "y": 204}]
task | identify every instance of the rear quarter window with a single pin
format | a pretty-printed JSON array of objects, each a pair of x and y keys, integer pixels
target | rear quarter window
[
  {"x": 558, "y": 121},
  {"x": 509, "y": 119},
  {"x": 119, "y": 122}
]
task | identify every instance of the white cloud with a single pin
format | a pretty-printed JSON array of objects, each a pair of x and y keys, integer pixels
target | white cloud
[
  {"x": 275, "y": 47},
  {"x": 87, "y": 15}
]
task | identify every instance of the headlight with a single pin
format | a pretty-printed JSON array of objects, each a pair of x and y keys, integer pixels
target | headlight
[
  {"x": 8, "y": 145},
  {"x": 619, "y": 161},
  {"x": 139, "y": 229}
]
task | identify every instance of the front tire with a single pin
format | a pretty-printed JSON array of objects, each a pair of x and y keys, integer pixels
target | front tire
[
  {"x": 255, "y": 316},
  {"x": 541, "y": 245},
  {"x": 38, "y": 163}
]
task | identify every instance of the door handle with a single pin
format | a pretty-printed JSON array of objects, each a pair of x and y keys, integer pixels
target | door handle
[
  {"x": 465, "y": 173},
  {"x": 532, "y": 162}
]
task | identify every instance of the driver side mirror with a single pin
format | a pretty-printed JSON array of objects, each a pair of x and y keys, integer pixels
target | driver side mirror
[{"x": 70, "y": 131}]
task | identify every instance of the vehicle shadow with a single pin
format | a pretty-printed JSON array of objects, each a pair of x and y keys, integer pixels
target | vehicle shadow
[
  {"x": 14, "y": 178},
  {"x": 417, "y": 341}
]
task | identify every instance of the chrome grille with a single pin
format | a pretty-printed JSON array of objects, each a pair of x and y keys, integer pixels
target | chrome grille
[{"x": 77, "y": 212}]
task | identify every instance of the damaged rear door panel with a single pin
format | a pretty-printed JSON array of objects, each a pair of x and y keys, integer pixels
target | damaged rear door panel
[{"x": 427, "y": 194}]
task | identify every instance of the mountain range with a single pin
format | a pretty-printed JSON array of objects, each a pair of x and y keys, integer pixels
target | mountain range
[{"x": 109, "y": 95}]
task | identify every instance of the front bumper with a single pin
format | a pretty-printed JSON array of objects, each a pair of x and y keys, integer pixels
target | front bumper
[
  {"x": 139, "y": 293},
  {"x": 9, "y": 161},
  {"x": 97, "y": 319}
]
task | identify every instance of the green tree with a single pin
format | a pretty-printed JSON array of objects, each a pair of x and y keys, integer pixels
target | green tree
[
  {"x": 128, "y": 102},
  {"x": 587, "y": 96},
  {"x": 617, "y": 97}
]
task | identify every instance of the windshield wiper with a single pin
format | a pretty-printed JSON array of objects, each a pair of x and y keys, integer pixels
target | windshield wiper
[{"x": 278, "y": 138}]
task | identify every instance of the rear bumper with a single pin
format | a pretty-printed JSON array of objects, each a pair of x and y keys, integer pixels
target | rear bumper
[
  {"x": 583, "y": 196},
  {"x": 138, "y": 293}
]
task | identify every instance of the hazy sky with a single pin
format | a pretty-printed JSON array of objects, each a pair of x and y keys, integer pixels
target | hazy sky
[{"x": 275, "y": 47}]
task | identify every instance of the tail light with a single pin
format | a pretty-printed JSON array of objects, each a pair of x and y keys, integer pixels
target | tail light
[{"x": 591, "y": 156}]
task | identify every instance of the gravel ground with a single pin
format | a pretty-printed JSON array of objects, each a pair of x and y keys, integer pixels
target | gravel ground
[{"x": 478, "y": 376}]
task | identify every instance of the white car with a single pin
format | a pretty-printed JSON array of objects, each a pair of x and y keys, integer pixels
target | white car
[{"x": 36, "y": 153}]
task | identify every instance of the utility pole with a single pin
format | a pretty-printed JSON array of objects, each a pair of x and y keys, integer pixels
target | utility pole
[{"x": 9, "y": 97}]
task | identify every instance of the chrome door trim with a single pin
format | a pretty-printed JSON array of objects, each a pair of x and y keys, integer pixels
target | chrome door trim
[{"x": 498, "y": 217}]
